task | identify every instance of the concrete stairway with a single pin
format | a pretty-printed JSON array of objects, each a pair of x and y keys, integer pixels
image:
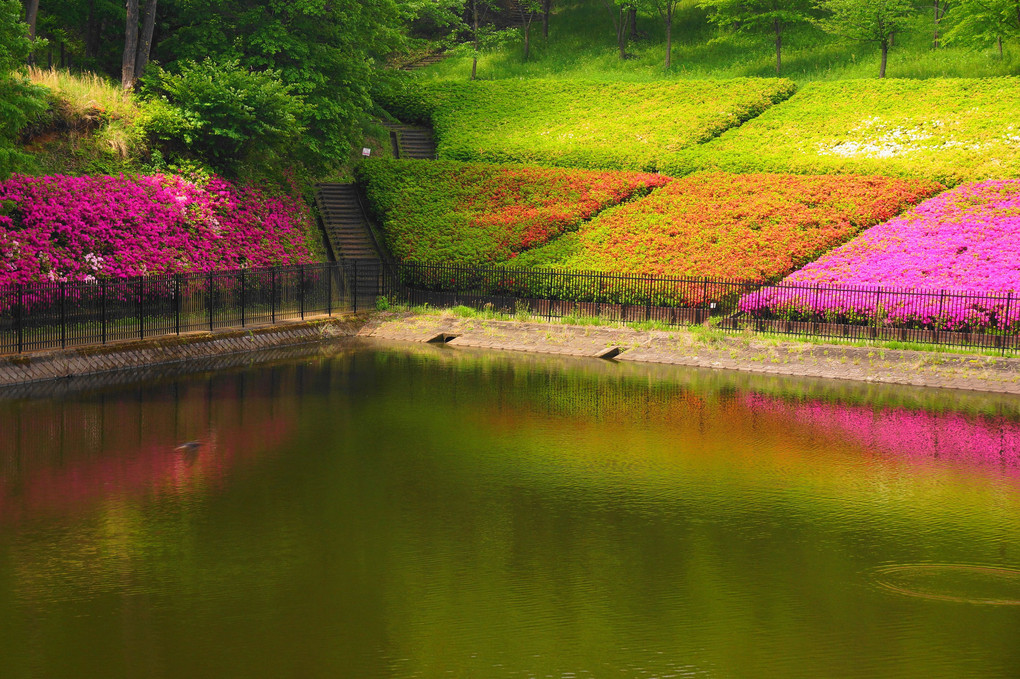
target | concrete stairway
[
  {"x": 412, "y": 142},
  {"x": 345, "y": 221},
  {"x": 424, "y": 61},
  {"x": 350, "y": 236}
]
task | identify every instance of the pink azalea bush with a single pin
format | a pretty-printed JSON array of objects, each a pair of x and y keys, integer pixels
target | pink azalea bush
[
  {"x": 82, "y": 228},
  {"x": 962, "y": 247}
]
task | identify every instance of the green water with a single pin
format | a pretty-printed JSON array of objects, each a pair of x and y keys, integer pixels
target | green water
[{"x": 441, "y": 513}]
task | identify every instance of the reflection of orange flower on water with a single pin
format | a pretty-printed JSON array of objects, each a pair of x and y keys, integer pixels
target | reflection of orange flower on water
[{"x": 65, "y": 463}]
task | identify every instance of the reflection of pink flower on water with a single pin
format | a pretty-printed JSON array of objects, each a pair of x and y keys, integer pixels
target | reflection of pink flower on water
[{"x": 915, "y": 435}]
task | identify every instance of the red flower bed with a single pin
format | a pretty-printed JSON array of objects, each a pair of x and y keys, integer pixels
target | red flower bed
[
  {"x": 751, "y": 227},
  {"x": 479, "y": 214}
]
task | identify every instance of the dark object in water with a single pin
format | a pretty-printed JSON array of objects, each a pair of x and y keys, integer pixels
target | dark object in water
[{"x": 189, "y": 447}]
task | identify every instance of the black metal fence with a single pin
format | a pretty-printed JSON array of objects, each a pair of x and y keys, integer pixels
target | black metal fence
[
  {"x": 58, "y": 315},
  {"x": 945, "y": 317}
]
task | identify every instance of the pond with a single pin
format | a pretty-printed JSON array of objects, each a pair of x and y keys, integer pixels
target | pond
[{"x": 394, "y": 511}]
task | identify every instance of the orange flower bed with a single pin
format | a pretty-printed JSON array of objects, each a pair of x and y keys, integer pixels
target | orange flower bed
[
  {"x": 477, "y": 214},
  {"x": 752, "y": 227}
]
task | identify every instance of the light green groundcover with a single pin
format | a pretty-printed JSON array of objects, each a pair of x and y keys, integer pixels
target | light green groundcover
[
  {"x": 634, "y": 126},
  {"x": 950, "y": 130}
]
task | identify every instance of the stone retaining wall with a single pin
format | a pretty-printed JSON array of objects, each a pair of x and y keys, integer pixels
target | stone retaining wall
[{"x": 137, "y": 355}]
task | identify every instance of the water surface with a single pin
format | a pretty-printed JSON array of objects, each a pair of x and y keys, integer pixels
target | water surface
[{"x": 386, "y": 512}]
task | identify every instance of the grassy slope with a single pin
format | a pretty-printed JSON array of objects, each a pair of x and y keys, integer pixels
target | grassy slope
[
  {"x": 593, "y": 125},
  {"x": 582, "y": 45},
  {"x": 950, "y": 130}
]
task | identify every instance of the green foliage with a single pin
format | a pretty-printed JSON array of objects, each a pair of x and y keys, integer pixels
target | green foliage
[
  {"x": 979, "y": 23},
  {"x": 222, "y": 114},
  {"x": 324, "y": 51},
  {"x": 869, "y": 21},
  {"x": 589, "y": 124},
  {"x": 19, "y": 99},
  {"x": 445, "y": 211},
  {"x": 949, "y": 130},
  {"x": 771, "y": 17}
]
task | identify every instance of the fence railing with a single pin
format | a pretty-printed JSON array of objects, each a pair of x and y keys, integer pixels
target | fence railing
[
  {"x": 57, "y": 315},
  {"x": 945, "y": 317},
  {"x": 67, "y": 314}
]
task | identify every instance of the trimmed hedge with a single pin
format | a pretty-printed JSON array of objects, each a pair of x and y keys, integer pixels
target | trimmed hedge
[
  {"x": 948, "y": 130},
  {"x": 746, "y": 227},
  {"x": 635, "y": 126},
  {"x": 445, "y": 211}
]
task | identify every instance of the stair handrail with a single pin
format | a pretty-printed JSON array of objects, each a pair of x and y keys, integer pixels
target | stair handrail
[{"x": 384, "y": 255}]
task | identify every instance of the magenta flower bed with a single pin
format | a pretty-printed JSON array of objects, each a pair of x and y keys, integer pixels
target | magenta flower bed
[
  {"x": 83, "y": 228},
  {"x": 961, "y": 247}
]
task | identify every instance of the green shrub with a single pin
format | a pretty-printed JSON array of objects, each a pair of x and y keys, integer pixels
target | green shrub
[
  {"x": 581, "y": 124},
  {"x": 947, "y": 130},
  {"x": 445, "y": 211},
  {"x": 221, "y": 114}
]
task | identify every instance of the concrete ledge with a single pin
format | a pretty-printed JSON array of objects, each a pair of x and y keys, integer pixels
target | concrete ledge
[{"x": 137, "y": 354}]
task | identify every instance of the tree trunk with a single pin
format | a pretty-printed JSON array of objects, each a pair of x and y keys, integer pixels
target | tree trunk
[
  {"x": 92, "y": 32},
  {"x": 546, "y": 8},
  {"x": 779, "y": 45},
  {"x": 127, "y": 72},
  {"x": 145, "y": 41},
  {"x": 938, "y": 17},
  {"x": 669, "y": 37},
  {"x": 474, "y": 61},
  {"x": 632, "y": 22},
  {"x": 885, "y": 57},
  {"x": 527, "y": 39},
  {"x": 621, "y": 34},
  {"x": 999, "y": 40},
  {"x": 31, "y": 14}
]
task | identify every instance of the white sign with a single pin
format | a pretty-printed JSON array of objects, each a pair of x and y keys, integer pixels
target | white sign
[{"x": 366, "y": 152}]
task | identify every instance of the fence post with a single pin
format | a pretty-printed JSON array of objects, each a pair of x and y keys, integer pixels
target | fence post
[
  {"x": 354, "y": 280},
  {"x": 103, "y": 311},
  {"x": 301, "y": 292},
  {"x": 19, "y": 319},
  {"x": 242, "y": 298},
  {"x": 1005, "y": 321},
  {"x": 63, "y": 315},
  {"x": 329, "y": 289},
  {"x": 141, "y": 307},
  {"x": 209, "y": 299},
  {"x": 272, "y": 294},
  {"x": 177, "y": 303},
  {"x": 942, "y": 299}
]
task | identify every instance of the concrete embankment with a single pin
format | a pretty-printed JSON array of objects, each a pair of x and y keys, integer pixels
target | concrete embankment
[
  {"x": 143, "y": 355},
  {"x": 695, "y": 348},
  {"x": 708, "y": 349}
]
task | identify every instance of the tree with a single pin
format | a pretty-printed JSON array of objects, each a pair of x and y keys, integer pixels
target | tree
[
  {"x": 127, "y": 72},
  {"x": 980, "y": 22},
  {"x": 326, "y": 52},
  {"x": 31, "y": 17},
  {"x": 546, "y": 10},
  {"x": 666, "y": 9},
  {"x": 19, "y": 99},
  {"x": 223, "y": 114},
  {"x": 939, "y": 12},
  {"x": 620, "y": 10},
  {"x": 869, "y": 21},
  {"x": 527, "y": 9},
  {"x": 761, "y": 16}
]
